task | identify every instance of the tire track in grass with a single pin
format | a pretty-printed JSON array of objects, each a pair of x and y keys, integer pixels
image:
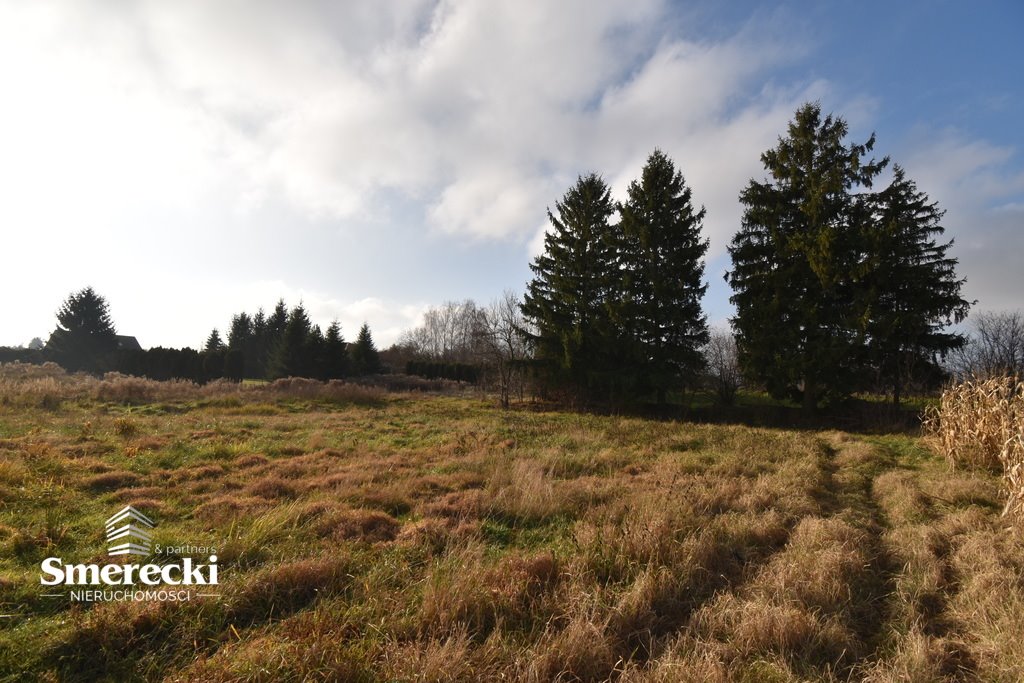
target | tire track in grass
[
  {"x": 816, "y": 608},
  {"x": 925, "y": 641}
]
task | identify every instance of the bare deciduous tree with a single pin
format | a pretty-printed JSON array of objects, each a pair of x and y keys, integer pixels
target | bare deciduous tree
[
  {"x": 995, "y": 346},
  {"x": 723, "y": 365},
  {"x": 446, "y": 333},
  {"x": 502, "y": 345}
]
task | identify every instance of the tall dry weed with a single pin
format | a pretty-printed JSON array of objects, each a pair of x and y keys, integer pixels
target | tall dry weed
[
  {"x": 47, "y": 385},
  {"x": 980, "y": 423}
]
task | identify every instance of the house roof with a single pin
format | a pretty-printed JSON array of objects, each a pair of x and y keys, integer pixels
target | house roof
[{"x": 126, "y": 343}]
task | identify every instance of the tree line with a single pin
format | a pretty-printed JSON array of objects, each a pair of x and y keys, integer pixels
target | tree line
[
  {"x": 288, "y": 344},
  {"x": 283, "y": 344},
  {"x": 838, "y": 287}
]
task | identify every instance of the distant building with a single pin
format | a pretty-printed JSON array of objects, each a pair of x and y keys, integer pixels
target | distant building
[{"x": 125, "y": 343}]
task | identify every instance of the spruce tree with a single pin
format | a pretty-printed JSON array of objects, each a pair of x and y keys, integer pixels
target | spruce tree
[
  {"x": 365, "y": 358},
  {"x": 213, "y": 355},
  {"x": 257, "y": 353},
  {"x": 241, "y": 342},
  {"x": 290, "y": 356},
  {"x": 277, "y": 320},
  {"x": 314, "y": 359},
  {"x": 566, "y": 302},
  {"x": 240, "y": 333},
  {"x": 335, "y": 353},
  {"x": 660, "y": 256},
  {"x": 911, "y": 289},
  {"x": 214, "y": 342},
  {"x": 85, "y": 338},
  {"x": 797, "y": 259},
  {"x": 274, "y": 331}
]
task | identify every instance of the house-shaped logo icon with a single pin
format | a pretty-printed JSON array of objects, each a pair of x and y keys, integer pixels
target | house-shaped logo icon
[{"x": 126, "y": 532}]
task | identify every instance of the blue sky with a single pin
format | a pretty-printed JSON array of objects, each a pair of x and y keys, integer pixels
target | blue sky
[{"x": 191, "y": 160}]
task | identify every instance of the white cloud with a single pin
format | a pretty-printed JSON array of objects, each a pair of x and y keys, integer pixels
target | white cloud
[
  {"x": 131, "y": 127},
  {"x": 490, "y": 203},
  {"x": 480, "y": 109},
  {"x": 971, "y": 179},
  {"x": 536, "y": 245}
]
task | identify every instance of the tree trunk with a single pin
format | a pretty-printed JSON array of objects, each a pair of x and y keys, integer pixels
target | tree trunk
[{"x": 810, "y": 397}]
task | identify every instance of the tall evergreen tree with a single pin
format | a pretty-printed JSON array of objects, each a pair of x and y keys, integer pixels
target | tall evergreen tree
[
  {"x": 797, "y": 258},
  {"x": 335, "y": 353},
  {"x": 290, "y": 357},
  {"x": 256, "y": 355},
  {"x": 911, "y": 288},
  {"x": 85, "y": 338},
  {"x": 214, "y": 342},
  {"x": 660, "y": 286},
  {"x": 277, "y": 320},
  {"x": 241, "y": 342},
  {"x": 315, "y": 361},
  {"x": 213, "y": 356},
  {"x": 566, "y": 302},
  {"x": 240, "y": 333},
  {"x": 365, "y": 358}
]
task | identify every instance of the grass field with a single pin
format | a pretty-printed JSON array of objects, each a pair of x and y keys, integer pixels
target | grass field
[{"x": 400, "y": 537}]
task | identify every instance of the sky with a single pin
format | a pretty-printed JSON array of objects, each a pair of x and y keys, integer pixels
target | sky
[{"x": 192, "y": 159}]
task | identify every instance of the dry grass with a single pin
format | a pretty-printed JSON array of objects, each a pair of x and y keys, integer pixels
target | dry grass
[
  {"x": 48, "y": 386},
  {"x": 980, "y": 424},
  {"x": 280, "y": 590},
  {"x": 437, "y": 539}
]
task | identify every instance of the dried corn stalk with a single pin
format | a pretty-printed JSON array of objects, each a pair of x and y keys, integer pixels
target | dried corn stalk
[{"x": 980, "y": 424}]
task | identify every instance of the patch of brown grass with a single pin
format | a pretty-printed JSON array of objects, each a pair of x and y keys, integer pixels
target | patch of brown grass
[
  {"x": 922, "y": 658},
  {"x": 47, "y": 386},
  {"x": 389, "y": 499},
  {"x": 437, "y": 536},
  {"x": 579, "y": 650},
  {"x": 370, "y": 526},
  {"x": 251, "y": 460},
  {"x": 118, "y": 388},
  {"x": 138, "y": 493},
  {"x": 224, "y": 510},
  {"x": 805, "y": 604},
  {"x": 439, "y": 660},
  {"x": 522, "y": 489},
  {"x": 12, "y": 472},
  {"x": 280, "y": 590},
  {"x": 457, "y": 505},
  {"x": 989, "y": 564},
  {"x": 271, "y": 487},
  {"x": 465, "y": 590},
  {"x": 202, "y": 472},
  {"x": 109, "y": 481}
]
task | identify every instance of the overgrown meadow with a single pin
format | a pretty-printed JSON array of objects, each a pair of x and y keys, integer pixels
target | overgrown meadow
[{"x": 365, "y": 535}]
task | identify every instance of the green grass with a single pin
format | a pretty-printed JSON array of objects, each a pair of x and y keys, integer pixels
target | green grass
[{"x": 439, "y": 538}]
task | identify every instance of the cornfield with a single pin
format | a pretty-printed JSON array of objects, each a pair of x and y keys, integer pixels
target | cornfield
[{"x": 979, "y": 423}]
